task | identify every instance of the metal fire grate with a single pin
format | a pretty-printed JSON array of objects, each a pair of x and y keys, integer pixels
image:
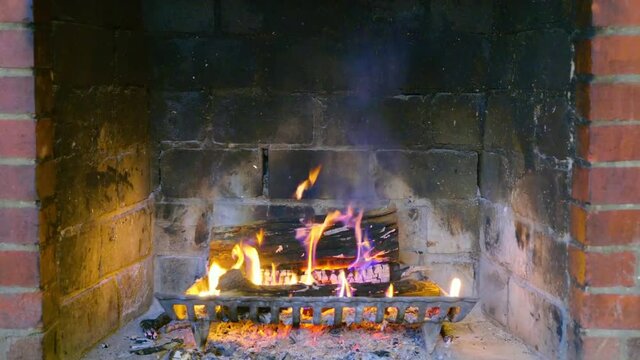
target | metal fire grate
[{"x": 449, "y": 309}]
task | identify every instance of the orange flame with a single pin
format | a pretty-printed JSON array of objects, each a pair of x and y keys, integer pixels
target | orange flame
[
  {"x": 345, "y": 289},
  {"x": 260, "y": 237},
  {"x": 389, "y": 292},
  {"x": 248, "y": 255},
  {"x": 308, "y": 183}
]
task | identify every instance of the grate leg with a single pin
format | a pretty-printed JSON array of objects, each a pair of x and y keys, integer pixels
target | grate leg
[
  {"x": 431, "y": 333},
  {"x": 200, "y": 329}
]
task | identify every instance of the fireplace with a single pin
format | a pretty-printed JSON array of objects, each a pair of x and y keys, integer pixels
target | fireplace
[{"x": 502, "y": 134}]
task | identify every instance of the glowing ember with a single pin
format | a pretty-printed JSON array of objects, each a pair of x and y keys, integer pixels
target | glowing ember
[
  {"x": 260, "y": 237},
  {"x": 308, "y": 183},
  {"x": 345, "y": 289},
  {"x": 454, "y": 290},
  {"x": 389, "y": 292}
]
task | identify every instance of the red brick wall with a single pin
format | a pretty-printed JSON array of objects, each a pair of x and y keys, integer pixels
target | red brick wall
[
  {"x": 604, "y": 258},
  {"x": 20, "y": 295}
]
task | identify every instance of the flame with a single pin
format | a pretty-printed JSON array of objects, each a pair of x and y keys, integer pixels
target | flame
[
  {"x": 313, "y": 234},
  {"x": 308, "y": 183},
  {"x": 247, "y": 255},
  {"x": 389, "y": 292},
  {"x": 345, "y": 289},
  {"x": 454, "y": 290},
  {"x": 364, "y": 258},
  {"x": 260, "y": 237},
  {"x": 215, "y": 271}
]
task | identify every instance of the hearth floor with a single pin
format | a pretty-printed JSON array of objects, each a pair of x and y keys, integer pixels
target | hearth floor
[{"x": 476, "y": 338}]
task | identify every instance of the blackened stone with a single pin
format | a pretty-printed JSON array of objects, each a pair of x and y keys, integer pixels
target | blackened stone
[
  {"x": 549, "y": 265},
  {"x": 531, "y": 14},
  {"x": 509, "y": 125},
  {"x": 494, "y": 291},
  {"x": 344, "y": 174},
  {"x": 466, "y": 15},
  {"x": 174, "y": 275},
  {"x": 178, "y": 15},
  {"x": 433, "y": 174},
  {"x": 264, "y": 119},
  {"x": 129, "y": 124},
  {"x": 227, "y": 213},
  {"x": 401, "y": 122},
  {"x": 535, "y": 320},
  {"x": 180, "y": 115},
  {"x": 452, "y": 227},
  {"x": 499, "y": 174},
  {"x": 553, "y": 127},
  {"x": 121, "y": 14},
  {"x": 455, "y": 119},
  {"x": 202, "y": 62},
  {"x": 543, "y": 59},
  {"x": 134, "y": 182},
  {"x": 306, "y": 65},
  {"x": 78, "y": 259},
  {"x": 131, "y": 66},
  {"x": 90, "y": 61},
  {"x": 211, "y": 173},
  {"x": 346, "y": 121},
  {"x": 502, "y": 67},
  {"x": 182, "y": 228},
  {"x": 542, "y": 196},
  {"x": 241, "y": 16},
  {"x": 447, "y": 61}
]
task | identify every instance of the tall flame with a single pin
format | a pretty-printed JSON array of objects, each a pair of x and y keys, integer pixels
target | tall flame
[
  {"x": 248, "y": 255},
  {"x": 313, "y": 234},
  {"x": 345, "y": 289},
  {"x": 308, "y": 183},
  {"x": 215, "y": 271},
  {"x": 454, "y": 290}
]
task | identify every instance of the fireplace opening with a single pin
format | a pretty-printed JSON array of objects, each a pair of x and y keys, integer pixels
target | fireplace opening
[{"x": 153, "y": 152}]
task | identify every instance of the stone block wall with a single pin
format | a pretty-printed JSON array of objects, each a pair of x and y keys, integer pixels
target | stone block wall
[
  {"x": 525, "y": 173},
  {"x": 93, "y": 171},
  {"x": 247, "y": 97}
]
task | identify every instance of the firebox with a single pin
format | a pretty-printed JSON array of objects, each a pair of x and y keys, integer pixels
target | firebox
[{"x": 319, "y": 173}]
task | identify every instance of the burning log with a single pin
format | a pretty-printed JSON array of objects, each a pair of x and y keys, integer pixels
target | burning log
[{"x": 336, "y": 249}]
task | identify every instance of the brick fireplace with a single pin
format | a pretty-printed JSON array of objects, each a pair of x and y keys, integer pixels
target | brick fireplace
[{"x": 505, "y": 133}]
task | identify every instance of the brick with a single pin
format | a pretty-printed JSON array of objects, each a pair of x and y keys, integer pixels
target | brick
[
  {"x": 16, "y": 48},
  {"x": 213, "y": 173},
  {"x": 178, "y": 16},
  {"x": 618, "y": 13},
  {"x": 181, "y": 115},
  {"x": 17, "y": 182},
  {"x": 606, "y": 311},
  {"x": 90, "y": 62},
  {"x": 18, "y": 139},
  {"x": 19, "y": 226},
  {"x": 609, "y": 55},
  {"x": 134, "y": 184},
  {"x": 603, "y": 270},
  {"x": 607, "y": 185},
  {"x": 28, "y": 347},
  {"x": 16, "y": 11},
  {"x": 20, "y": 311},
  {"x": 596, "y": 348},
  {"x": 433, "y": 174},
  {"x": 288, "y": 168},
  {"x": 263, "y": 119},
  {"x": 20, "y": 268},
  {"x": 601, "y": 228},
  {"x": 17, "y": 94},
  {"x": 174, "y": 275},
  {"x": 633, "y": 347},
  {"x": 602, "y": 102},
  {"x": 609, "y": 143},
  {"x": 87, "y": 318},
  {"x": 538, "y": 322}
]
